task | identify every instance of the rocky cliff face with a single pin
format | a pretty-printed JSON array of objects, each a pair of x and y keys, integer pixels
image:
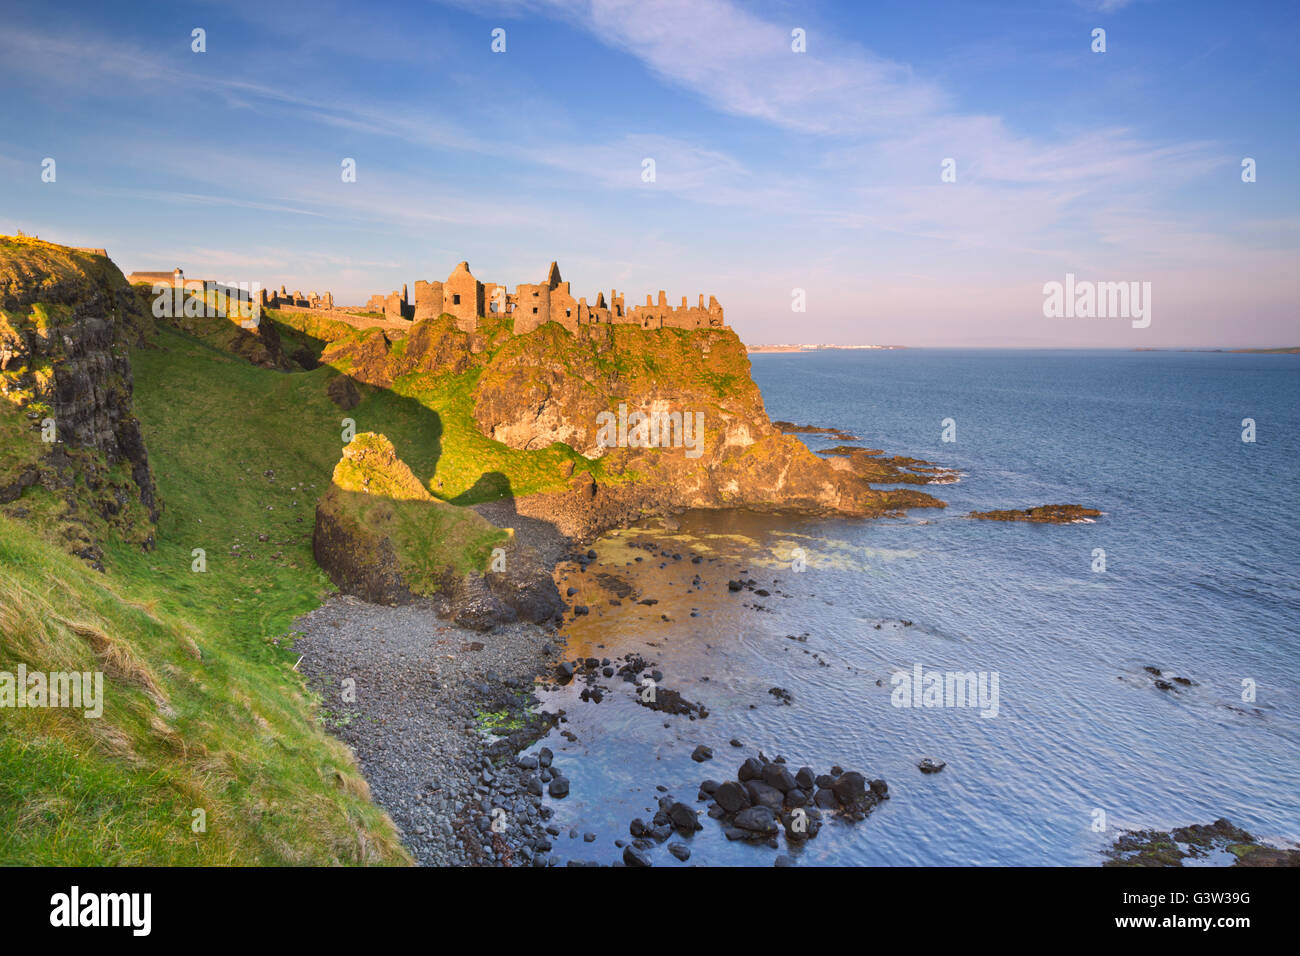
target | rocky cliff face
[
  {"x": 586, "y": 390},
  {"x": 67, "y": 319}
]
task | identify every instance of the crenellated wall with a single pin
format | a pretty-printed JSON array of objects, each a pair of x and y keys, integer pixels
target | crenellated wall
[{"x": 532, "y": 305}]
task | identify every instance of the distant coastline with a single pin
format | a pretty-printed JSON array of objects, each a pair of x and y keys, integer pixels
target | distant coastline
[
  {"x": 817, "y": 348},
  {"x": 1283, "y": 350}
]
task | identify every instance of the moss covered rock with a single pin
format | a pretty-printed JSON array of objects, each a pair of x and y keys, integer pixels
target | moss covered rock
[
  {"x": 553, "y": 388},
  {"x": 382, "y": 536},
  {"x": 67, "y": 318}
]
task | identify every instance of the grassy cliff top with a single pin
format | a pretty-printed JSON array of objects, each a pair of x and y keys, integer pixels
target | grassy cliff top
[{"x": 33, "y": 270}]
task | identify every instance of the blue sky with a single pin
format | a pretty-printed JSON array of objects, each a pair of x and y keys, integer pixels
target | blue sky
[{"x": 775, "y": 170}]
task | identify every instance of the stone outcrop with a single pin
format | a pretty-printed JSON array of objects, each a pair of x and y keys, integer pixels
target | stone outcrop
[
  {"x": 1043, "y": 514},
  {"x": 868, "y": 465},
  {"x": 1197, "y": 843},
  {"x": 343, "y": 392},
  {"x": 67, "y": 319},
  {"x": 768, "y": 799},
  {"x": 584, "y": 391},
  {"x": 382, "y": 536},
  {"x": 559, "y": 386}
]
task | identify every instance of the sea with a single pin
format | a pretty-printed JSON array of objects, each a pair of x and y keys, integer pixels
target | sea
[{"x": 1191, "y": 571}]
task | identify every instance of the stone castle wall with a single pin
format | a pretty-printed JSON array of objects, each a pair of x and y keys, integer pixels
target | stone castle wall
[{"x": 532, "y": 305}]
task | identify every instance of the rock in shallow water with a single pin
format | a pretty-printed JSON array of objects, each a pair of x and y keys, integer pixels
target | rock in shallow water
[
  {"x": 683, "y": 818},
  {"x": 634, "y": 856},
  {"x": 850, "y": 788},
  {"x": 757, "y": 820},
  {"x": 732, "y": 797}
]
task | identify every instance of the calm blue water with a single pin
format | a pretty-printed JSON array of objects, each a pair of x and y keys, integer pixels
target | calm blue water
[{"x": 1201, "y": 537}]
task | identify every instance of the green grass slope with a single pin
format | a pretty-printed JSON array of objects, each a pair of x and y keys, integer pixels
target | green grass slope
[
  {"x": 204, "y": 710},
  {"x": 207, "y": 712},
  {"x": 189, "y": 724}
]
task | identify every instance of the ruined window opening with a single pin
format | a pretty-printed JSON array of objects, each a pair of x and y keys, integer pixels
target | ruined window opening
[
  {"x": 534, "y": 310},
  {"x": 455, "y": 300}
]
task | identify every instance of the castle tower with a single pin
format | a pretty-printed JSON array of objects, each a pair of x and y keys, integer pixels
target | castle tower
[
  {"x": 428, "y": 300},
  {"x": 532, "y": 307},
  {"x": 462, "y": 296},
  {"x": 395, "y": 306},
  {"x": 561, "y": 306}
]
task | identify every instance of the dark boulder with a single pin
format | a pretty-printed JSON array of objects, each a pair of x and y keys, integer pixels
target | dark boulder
[
  {"x": 776, "y": 775},
  {"x": 342, "y": 391},
  {"x": 826, "y": 799},
  {"x": 851, "y": 788},
  {"x": 765, "y": 795},
  {"x": 732, "y": 797},
  {"x": 635, "y": 856},
  {"x": 683, "y": 818},
  {"x": 757, "y": 820}
]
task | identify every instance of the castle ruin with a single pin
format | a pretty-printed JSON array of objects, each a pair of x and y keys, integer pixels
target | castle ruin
[
  {"x": 175, "y": 279},
  {"x": 267, "y": 300},
  {"x": 296, "y": 300},
  {"x": 467, "y": 299}
]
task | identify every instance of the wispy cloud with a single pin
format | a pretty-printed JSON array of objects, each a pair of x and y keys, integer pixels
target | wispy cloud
[
  {"x": 744, "y": 65},
  {"x": 823, "y": 170}
]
